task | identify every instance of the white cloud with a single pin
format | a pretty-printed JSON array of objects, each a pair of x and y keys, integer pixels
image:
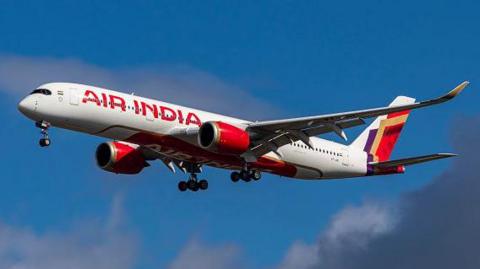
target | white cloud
[
  {"x": 176, "y": 84},
  {"x": 350, "y": 229},
  {"x": 434, "y": 227},
  {"x": 356, "y": 225},
  {"x": 89, "y": 244},
  {"x": 300, "y": 256},
  {"x": 196, "y": 255}
]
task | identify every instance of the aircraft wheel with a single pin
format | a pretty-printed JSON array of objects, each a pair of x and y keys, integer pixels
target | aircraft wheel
[
  {"x": 182, "y": 186},
  {"x": 244, "y": 175},
  {"x": 256, "y": 175},
  {"x": 44, "y": 142},
  {"x": 235, "y": 176},
  {"x": 192, "y": 185},
  {"x": 203, "y": 184}
]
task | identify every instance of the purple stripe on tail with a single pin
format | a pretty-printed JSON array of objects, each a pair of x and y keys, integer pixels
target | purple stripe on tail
[{"x": 371, "y": 137}]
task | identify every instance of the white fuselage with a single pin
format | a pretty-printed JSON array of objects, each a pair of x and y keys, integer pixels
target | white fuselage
[{"x": 139, "y": 120}]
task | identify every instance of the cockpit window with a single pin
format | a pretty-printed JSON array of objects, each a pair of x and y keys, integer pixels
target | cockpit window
[{"x": 42, "y": 91}]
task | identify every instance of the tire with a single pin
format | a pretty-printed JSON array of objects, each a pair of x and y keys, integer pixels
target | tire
[
  {"x": 256, "y": 175},
  {"x": 203, "y": 184},
  {"x": 235, "y": 176},
  {"x": 44, "y": 142},
  {"x": 244, "y": 175},
  {"x": 192, "y": 185},
  {"x": 182, "y": 186}
]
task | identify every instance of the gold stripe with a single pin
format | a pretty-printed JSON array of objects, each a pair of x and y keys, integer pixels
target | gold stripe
[{"x": 381, "y": 129}]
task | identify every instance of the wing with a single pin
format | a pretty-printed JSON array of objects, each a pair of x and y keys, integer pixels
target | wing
[
  {"x": 413, "y": 160},
  {"x": 151, "y": 152},
  {"x": 270, "y": 135}
]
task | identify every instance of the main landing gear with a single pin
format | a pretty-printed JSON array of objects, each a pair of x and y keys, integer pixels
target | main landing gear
[
  {"x": 245, "y": 175},
  {"x": 45, "y": 140},
  {"x": 193, "y": 184}
]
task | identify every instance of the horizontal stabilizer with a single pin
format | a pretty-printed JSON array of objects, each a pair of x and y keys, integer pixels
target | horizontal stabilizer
[{"x": 413, "y": 160}]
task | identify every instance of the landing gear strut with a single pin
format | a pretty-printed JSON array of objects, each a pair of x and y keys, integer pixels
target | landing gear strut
[
  {"x": 45, "y": 140},
  {"x": 193, "y": 184}
]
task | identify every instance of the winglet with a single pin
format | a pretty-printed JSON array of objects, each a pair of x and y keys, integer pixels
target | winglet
[
  {"x": 457, "y": 90},
  {"x": 447, "y": 155}
]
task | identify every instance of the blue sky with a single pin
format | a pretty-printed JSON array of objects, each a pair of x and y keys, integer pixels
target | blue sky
[{"x": 265, "y": 60}]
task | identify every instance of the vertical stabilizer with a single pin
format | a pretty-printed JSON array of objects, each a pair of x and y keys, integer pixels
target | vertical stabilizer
[{"x": 379, "y": 138}]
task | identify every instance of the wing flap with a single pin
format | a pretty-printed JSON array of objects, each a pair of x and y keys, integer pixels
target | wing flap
[
  {"x": 152, "y": 152},
  {"x": 272, "y": 141}
]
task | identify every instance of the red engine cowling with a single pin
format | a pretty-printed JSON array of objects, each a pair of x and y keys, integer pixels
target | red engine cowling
[
  {"x": 223, "y": 138},
  {"x": 119, "y": 158}
]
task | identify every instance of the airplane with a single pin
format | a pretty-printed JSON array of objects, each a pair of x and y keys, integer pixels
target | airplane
[{"x": 142, "y": 130}]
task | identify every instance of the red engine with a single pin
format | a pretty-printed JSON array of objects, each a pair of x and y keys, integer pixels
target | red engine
[
  {"x": 119, "y": 158},
  {"x": 223, "y": 138}
]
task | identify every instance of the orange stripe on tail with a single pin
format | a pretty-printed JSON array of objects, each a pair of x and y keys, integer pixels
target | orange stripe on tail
[{"x": 387, "y": 135}]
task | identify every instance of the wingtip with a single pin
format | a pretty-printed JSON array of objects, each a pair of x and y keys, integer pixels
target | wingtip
[
  {"x": 457, "y": 90},
  {"x": 447, "y": 154}
]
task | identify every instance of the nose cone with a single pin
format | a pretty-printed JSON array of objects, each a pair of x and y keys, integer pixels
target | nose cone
[{"x": 27, "y": 106}]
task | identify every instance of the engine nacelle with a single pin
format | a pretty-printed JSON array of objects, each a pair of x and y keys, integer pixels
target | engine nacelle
[
  {"x": 119, "y": 158},
  {"x": 223, "y": 138}
]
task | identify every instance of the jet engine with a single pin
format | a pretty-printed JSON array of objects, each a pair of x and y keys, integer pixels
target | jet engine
[
  {"x": 120, "y": 158},
  {"x": 223, "y": 138}
]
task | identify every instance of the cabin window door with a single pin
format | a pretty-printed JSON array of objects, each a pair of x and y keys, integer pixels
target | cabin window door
[{"x": 74, "y": 97}]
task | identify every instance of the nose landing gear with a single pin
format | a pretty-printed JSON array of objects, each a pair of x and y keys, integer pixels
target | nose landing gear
[{"x": 45, "y": 140}]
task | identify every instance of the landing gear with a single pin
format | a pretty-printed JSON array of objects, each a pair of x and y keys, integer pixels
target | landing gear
[
  {"x": 45, "y": 140},
  {"x": 256, "y": 175},
  {"x": 235, "y": 176},
  {"x": 245, "y": 175},
  {"x": 182, "y": 186},
  {"x": 193, "y": 184},
  {"x": 203, "y": 184}
]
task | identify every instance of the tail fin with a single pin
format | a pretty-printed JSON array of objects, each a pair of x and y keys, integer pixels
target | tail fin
[{"x": 379, "y": 139}]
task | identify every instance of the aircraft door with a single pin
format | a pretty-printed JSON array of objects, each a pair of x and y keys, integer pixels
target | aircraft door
[
  {"x": 73, "y": 97},
  {"x": 345, "y": 158}
]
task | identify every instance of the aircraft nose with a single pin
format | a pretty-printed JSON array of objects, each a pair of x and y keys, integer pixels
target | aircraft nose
[{"x": 27, "y": 105}]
